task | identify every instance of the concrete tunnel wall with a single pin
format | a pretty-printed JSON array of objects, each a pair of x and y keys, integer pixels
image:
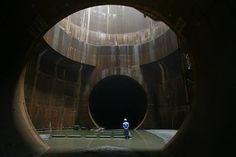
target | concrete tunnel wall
[
  {"x": 57, "y": 93},
  {"x": 210, "y": 40}
]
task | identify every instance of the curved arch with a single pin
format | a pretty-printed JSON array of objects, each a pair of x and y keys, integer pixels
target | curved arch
[
  {"x": 198, "y": 22},
  {"x": 119, "y": 97}
]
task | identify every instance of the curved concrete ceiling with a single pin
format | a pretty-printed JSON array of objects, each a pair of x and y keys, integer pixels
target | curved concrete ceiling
[
  {"x": 107, "y": 25},
  {"x": 208, "y": 131},
  {"x": 86, "y": 35},
  {"x": 109, "y": 19}
]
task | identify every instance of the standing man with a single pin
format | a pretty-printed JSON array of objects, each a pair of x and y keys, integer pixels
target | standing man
[{"x": 126, "y": 128}]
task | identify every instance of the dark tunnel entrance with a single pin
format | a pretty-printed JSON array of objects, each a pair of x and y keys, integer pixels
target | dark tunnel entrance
[{"x": 117, "y": 97}]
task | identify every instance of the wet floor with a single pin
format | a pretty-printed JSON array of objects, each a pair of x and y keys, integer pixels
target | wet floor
[{"x": 69, "y": 139}]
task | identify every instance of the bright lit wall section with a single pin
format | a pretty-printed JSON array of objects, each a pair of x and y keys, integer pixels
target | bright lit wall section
[{"x": 90, "y": 31}]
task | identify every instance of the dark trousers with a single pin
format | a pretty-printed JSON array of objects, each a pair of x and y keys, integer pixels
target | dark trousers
[{"x": 126, "y": 133}]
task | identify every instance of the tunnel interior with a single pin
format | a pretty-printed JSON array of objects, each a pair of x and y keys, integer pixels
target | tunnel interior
[
  {"x": 201, "y": 26},
  {"x": 117, "y": 97}
]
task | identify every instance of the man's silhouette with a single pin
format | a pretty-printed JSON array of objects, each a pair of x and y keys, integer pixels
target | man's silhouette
[{"x": 126, "y": 128}]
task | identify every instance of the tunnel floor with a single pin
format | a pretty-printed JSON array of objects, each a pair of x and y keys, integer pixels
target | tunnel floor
[{"x": 71, "y": 140}]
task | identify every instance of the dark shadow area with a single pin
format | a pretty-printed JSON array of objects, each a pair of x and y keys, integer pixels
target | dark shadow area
[
  {"x": 106, "y": 151},
  {"x": 115, "y": 98},
  {"x": 207, "y": 26}
]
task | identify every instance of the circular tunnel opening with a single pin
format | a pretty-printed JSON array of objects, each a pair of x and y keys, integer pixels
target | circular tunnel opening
[{"x": 117, "y": 97}]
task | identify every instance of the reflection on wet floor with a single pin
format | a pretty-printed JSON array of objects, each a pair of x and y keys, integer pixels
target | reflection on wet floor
[{"x": 69, "y": 139}]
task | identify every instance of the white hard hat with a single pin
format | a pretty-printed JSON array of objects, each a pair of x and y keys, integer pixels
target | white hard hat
[{"x": 125, "y": 119}]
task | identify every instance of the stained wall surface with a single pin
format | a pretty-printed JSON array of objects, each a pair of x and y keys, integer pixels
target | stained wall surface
[
  {"x": 209, "y": 127},
  {"x": 57, "y": 89}
]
